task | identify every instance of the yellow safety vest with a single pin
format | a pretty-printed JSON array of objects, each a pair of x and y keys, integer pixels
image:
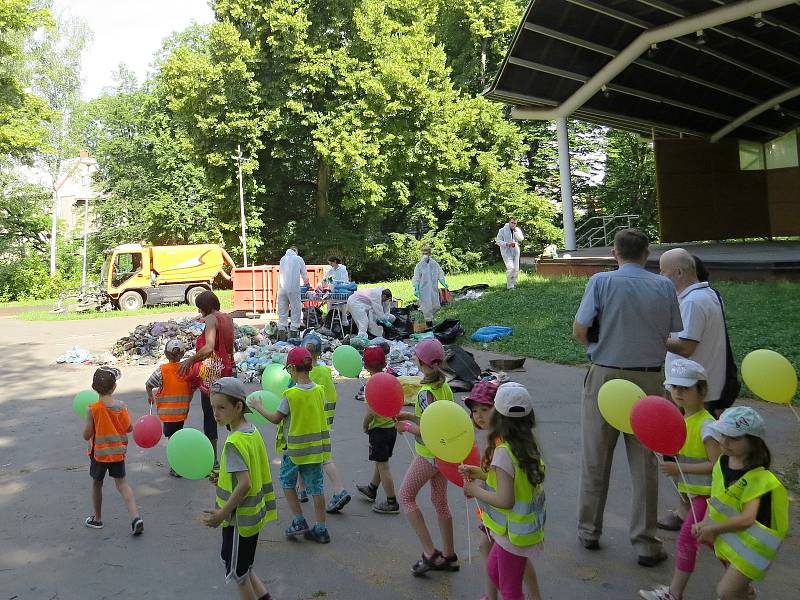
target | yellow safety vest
[
  {"x": 442, "y": 392},
  {"x": 308, "y": 439},
  {"x": 750, "y": 550},
  {"x": 323, "y": 377},
  {"x": 258, "y": 506},
  {"x": 694, "y": 452},
  {"x": 524, "y": 522}
]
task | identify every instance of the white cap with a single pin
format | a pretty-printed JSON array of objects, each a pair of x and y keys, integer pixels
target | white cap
[
  {"x": 174, "y": 346},
  {"x": 738, "y": 421},
  {"x": 685, "y": 373},
  {"x": 513, "y": 400}
]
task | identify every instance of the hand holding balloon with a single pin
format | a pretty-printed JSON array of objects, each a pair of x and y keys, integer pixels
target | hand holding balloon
[
  {"x": 212, "y": 518},
  {"x": 668, "y": 468},
  {"x": 471, "y": 472}
]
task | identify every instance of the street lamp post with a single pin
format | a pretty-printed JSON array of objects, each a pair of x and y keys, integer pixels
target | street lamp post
[{"x": 239, "y": 160}]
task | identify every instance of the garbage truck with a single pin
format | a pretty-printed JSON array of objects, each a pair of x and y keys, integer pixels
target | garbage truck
[{"x": 136, "y": 275}]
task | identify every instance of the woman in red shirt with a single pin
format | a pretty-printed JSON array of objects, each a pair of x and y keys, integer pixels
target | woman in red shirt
[{"x": 213, "y": 359}]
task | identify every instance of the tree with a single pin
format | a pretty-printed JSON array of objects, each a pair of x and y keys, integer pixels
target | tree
[
  {"x": 630, "y": 181},
  {"x": 22, "y": 114},
  {"x": 349, "y": 108}
]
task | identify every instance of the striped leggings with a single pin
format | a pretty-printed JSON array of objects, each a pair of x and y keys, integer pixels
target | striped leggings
[{"x": 419, "y": 473}]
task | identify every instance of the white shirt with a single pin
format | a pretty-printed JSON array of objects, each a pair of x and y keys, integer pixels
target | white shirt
[
  {"x": 338, "y": 274},
  {"x": 703, "y": 323},
  {"x": 292, "y": 271}
]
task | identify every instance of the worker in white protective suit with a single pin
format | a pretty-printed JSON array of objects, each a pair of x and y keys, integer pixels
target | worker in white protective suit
[
  {"x": 508, "y": 238},
  {"x": 371, "y": 310},
  {"x": 292, "y": 274},
  {"x": 427, "y": 277}
]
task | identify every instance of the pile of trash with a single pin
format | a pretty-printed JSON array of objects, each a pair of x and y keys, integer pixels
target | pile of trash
[{"x": 254, "y": 348}]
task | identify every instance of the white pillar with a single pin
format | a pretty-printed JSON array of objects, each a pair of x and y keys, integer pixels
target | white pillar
[
  {"x": 54, "y": 231},
  {"x": 241, "y": 208},
  {"x": 566, "y": 185},
  {"x": 85, "y": 234}
]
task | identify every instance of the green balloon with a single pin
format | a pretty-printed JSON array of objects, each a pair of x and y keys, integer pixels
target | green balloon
[
  {"x": 190, "y": 453},
  {"x": 270, "y": 402},
  {"x": 82, "y": 400},
  {"x": 347, "y": 361},
  {"x": 275, "y": 379}
]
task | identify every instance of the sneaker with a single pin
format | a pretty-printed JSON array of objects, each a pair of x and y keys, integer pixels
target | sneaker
[
  {"x": 652, "y": 561},
  {"x": 137, "y": 526},
  {"x": 369, "y": 492},
  {"x": 299, "y": 526},
  {"x": 302, "y": 496},
  {"x": 660, "y": 592},
  {"x": 319, "y": 533},
  {"x": 671, "y": 522},
  {"x": 93, "y": 523},
  {"x": 338, "y": 502},
  {"x": 387, "y": 508}
]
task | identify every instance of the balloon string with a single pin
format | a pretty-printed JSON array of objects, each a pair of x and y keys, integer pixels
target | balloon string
[
  {"x": 661, "y": 462},
  {"x": 794, "y": 410},
  {"x": 409, "y": 445},
  {"x": 469, "y": 527},
  {"x": 691, "y": 496}
]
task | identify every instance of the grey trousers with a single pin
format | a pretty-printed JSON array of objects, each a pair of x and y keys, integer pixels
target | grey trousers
[{"x": 599, "y": 439}]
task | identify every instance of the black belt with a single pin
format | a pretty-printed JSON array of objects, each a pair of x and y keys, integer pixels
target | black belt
[{"x": 642, "y": 369}]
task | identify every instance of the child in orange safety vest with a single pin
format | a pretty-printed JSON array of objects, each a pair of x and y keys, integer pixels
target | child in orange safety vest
[
  {"x": 174, "y": 392},
  {"x": 106, "y": 428}
]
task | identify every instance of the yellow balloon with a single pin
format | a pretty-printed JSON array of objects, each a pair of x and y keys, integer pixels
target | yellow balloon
[
  {"x": 447, "y": 431},
  {"x": 770, "y": 376},
  {"x": 615, "y": 401}
]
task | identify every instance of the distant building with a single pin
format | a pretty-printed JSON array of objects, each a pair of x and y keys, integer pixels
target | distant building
[{"x": 75, "y": 191}]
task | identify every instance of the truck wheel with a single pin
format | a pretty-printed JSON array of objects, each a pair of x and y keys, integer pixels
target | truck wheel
[
  {"x": 131, "y": 301},
  {"x": 193, "y": 293}
]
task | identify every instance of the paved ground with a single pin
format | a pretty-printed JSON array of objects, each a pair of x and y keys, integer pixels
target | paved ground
[{"x": 48, "y": 554}]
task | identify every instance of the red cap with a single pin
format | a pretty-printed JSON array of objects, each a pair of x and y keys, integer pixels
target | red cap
[
  {"x": 298, "y": 357},
  {"x": 374, "y": 356}
]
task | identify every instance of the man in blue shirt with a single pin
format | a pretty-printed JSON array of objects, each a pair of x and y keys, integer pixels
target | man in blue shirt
[{"x": 624, "y": 321}]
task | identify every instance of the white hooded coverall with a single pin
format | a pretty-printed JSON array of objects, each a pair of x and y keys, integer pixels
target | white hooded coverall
[
  {"x": 367, "y": 308},
  {"x": 505, "y": 238},
  {"x": 292, "y": 273},
  {"x": 426, "y": 277}
]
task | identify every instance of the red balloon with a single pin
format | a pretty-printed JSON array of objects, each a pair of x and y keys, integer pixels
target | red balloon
[
  {"x": 658, "y": 424},
  {"x": 147, "y": 431},
  {"x": 384, "y": 394},
  {"x": 450, "y": 470}
]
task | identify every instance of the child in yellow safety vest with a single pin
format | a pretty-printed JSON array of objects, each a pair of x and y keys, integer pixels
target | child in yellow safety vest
[
  {"x": 321, "y": 375},
  {"x": 174, "y": 391},
  {"x": 307, "y": 444},
  {"x": 106, "y": 428},
  {"x": 513, "y": 499},
  {"x": 687, "y": 383},
  {"x": 245, "y": 496},
  {"x": 429, "y": 356},
  {"x": 748, "y": 511}
]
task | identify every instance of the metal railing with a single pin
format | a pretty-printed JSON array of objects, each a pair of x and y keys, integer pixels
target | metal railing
[{"x": 600, "y": 230}]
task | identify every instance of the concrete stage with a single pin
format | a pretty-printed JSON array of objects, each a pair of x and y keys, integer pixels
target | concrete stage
[{"x": 739, "y": 261}]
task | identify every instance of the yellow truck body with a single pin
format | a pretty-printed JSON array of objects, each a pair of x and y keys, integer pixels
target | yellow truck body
[{"x": 135, "y": 275}]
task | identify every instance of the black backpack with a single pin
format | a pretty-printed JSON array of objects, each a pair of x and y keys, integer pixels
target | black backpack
[{"x": 732, "y": 387}]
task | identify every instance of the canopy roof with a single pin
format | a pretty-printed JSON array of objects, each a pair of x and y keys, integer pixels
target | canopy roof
[{"x": 641, "y": 65}]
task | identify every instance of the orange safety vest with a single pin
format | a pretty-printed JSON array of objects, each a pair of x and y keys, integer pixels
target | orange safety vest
[
  {"x": 172, "y": 401},
  {"x": 111, "y": 425}
]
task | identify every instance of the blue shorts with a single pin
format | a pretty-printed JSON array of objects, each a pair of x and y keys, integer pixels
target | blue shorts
[{"x": 312, "y": 476}]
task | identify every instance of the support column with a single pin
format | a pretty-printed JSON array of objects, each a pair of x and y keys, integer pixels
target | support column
[{"x": 566, "y": 185}]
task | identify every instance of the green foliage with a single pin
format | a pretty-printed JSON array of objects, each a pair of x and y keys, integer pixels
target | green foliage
[
  {"x": 23, "y": 115},
  {"x": 27, "y": 277},
  {"x": 630, "y": 181}
]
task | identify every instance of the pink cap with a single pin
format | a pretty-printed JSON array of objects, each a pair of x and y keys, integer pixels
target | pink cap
[
  {"x": 430, "y": 352},
  {"x": 482, "y": 392}
]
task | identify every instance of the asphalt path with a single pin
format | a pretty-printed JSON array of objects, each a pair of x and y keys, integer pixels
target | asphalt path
[{"x": 48, "y": 554}]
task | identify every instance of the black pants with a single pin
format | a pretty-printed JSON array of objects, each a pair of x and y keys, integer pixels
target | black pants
[{"x": 209, "y": 422}]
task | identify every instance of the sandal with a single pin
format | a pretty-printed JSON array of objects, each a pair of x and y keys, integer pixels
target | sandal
[{"x": 436, "y": 562}]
